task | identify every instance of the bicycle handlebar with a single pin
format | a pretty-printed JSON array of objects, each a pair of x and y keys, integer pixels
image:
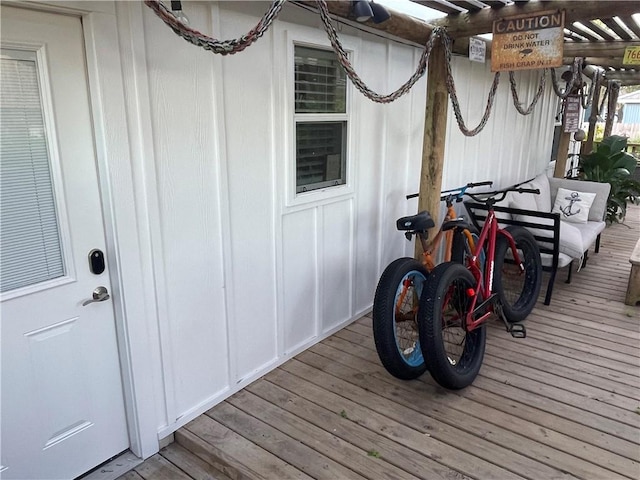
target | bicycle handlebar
[
  {"x": 461, "y": 190},
  {"x": 498, "y": 195}
]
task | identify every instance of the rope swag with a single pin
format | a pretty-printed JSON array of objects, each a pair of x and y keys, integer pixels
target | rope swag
[
  {"x": 230, "y": 47},
  {"x": 514, "y": 93},
  {"x": 451, "y": 88},
  {"x": 223, "y": 47},
  {"x": 343, "y": 58}
]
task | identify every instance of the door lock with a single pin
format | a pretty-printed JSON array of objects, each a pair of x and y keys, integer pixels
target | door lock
[
  {"x": 100, "y": 294},
  {"x": 96, "y": 261}
]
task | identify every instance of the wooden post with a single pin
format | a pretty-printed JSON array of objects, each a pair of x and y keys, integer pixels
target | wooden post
[
  {"x": 612, "y": 102},
  {"x": 435, "y": 129},
  {"x": 587, "y": 145},
  {"x": 563, "y": 145},
  {"x": 563, "y": 152}
]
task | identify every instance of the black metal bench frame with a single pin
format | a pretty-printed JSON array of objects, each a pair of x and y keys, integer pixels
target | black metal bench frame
[{"x": 549, "y": 244}]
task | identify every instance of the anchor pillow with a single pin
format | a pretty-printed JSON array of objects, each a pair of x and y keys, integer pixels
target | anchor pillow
[{"x": 573, "y": 206}]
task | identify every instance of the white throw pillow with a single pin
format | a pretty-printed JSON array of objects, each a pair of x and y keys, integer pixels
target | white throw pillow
[{"x": 573, "y": 206}]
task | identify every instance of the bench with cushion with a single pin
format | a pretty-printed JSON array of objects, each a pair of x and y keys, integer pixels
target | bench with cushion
[{"x": 565, "y": 226}]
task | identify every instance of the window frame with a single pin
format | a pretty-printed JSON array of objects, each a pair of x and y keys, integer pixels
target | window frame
[{"x": 329, "y": 191}]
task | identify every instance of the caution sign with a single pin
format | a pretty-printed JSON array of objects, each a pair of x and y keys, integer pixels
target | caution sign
[{"x": 528, "y": 41}]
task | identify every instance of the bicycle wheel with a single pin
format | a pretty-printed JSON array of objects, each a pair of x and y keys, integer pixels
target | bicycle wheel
[
  {"x": 454, "y": 355},
  {"x": 517, "y": 290},
  {"x": 395, "y": 328}
]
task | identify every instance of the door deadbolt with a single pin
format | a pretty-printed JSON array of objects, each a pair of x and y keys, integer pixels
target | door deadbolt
[{"x": 96, "y": 261}]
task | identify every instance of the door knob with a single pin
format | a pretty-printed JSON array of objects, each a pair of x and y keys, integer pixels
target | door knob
[{"x": 100, "y": 294}]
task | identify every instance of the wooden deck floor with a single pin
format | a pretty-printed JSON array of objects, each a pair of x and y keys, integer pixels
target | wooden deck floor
[{"x": 562, "y": 403}]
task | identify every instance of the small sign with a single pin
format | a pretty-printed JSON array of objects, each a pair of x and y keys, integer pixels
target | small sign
[
  {"x": 631, "y": 56},
  {"x": 477, "y": 50},
  {"x": 528, "y": 42},
  {"x": 572, "y": 114}
]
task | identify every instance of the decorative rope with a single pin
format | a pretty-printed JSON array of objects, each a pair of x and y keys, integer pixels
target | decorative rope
[
  {"x": 451, "y": 88},
  {"x": 607, "y": 90},
  {"x": 586, "y": 100},
  {"x": 576, "y": 79},
  {"x": 343, "y": 58},
  {"x": 514, "y": 93},
  {"x": 230, "y": 47},
  {"x": 223, "y": 47}
]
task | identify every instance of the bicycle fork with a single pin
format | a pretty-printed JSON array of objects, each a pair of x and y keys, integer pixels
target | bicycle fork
[{"x": 491, "y": 303}]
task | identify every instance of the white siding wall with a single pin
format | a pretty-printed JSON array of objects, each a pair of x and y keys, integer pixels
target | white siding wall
[{"x": 244, "y": 274}]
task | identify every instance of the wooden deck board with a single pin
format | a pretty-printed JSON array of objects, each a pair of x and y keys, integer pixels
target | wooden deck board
[
  {"x": 174, "y": 462},
  {"x": 507, "y": 421},
  {"x": 562, "y": 403}
]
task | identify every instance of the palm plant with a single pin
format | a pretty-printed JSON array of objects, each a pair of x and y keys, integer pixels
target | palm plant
[{"x": 611, "y": 163}]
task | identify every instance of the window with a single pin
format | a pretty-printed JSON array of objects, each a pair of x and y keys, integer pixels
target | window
[
  {"x": 320, "y": 119},
  {"x": 30, "y": 247}
]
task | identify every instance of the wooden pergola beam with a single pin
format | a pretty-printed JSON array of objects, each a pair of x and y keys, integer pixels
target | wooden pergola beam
[
  {"x": 475, "y": 23},
  {"x": 606, "y": 54},
  {"x": 399, "y": 25},
  {"x": 600, "y": 55},
  {"x": 624, "y": 78},
  {"x": 603, "y": 62},
  {"x": 614, "y": 49}
]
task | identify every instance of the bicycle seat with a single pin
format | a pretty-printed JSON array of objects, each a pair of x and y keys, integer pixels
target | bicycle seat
[
  {"x": 458, "y": 222},
  {"x": 420, "y": 222}
]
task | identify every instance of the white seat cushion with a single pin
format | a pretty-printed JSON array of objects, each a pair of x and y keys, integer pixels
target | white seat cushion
[
  {"x": 563, "y": 259},
  {"x": 590, "y": 232},
  {"x": 571, "y": 240}
]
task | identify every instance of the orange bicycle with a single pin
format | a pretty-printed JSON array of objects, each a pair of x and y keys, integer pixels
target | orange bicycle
[{"x": 395, "y": 306}]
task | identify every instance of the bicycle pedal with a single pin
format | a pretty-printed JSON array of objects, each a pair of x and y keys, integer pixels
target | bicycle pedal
[{"x": 517, "y": 330}]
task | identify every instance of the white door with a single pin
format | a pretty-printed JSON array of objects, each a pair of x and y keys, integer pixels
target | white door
[{"x": 62, "y": 404}]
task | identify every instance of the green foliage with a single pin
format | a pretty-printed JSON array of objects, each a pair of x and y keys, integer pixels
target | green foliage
[
  {"x": 373, "y": 453},
  {"x": 610, "y": 163}
]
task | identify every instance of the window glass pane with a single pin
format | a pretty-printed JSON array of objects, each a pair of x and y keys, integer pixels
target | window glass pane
[
  {"x": 30, "y": 249},
  {"x": 320, "y": 159},
  {"x": 320, "y": 83}
]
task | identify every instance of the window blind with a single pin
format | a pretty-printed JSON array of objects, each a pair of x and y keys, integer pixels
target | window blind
[
  {"x": 320, "y": 83},
  {"x": 30, "y": 247}
]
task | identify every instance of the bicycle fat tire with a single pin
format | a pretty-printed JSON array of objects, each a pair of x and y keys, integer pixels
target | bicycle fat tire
[
  {"x": 517, "y": 291},
  {"x": 454, "y": 355},
  {"x": 395, "y": 328}
]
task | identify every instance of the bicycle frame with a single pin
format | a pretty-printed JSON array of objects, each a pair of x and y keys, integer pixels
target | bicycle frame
[
  {"x": 428, "y": 248},
  {"x": 484, "y": 280}
]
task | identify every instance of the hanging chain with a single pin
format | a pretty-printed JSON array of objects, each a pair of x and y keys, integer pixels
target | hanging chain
[
  {"x": 229, "y": 47},
  {"x": 576, "y": 74},
  {"x": 343, "y": 58},
  {"x": 514, "y": 93},
  {"x": 451, "y": 87},
  {"x": 223, "y": 47}
]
